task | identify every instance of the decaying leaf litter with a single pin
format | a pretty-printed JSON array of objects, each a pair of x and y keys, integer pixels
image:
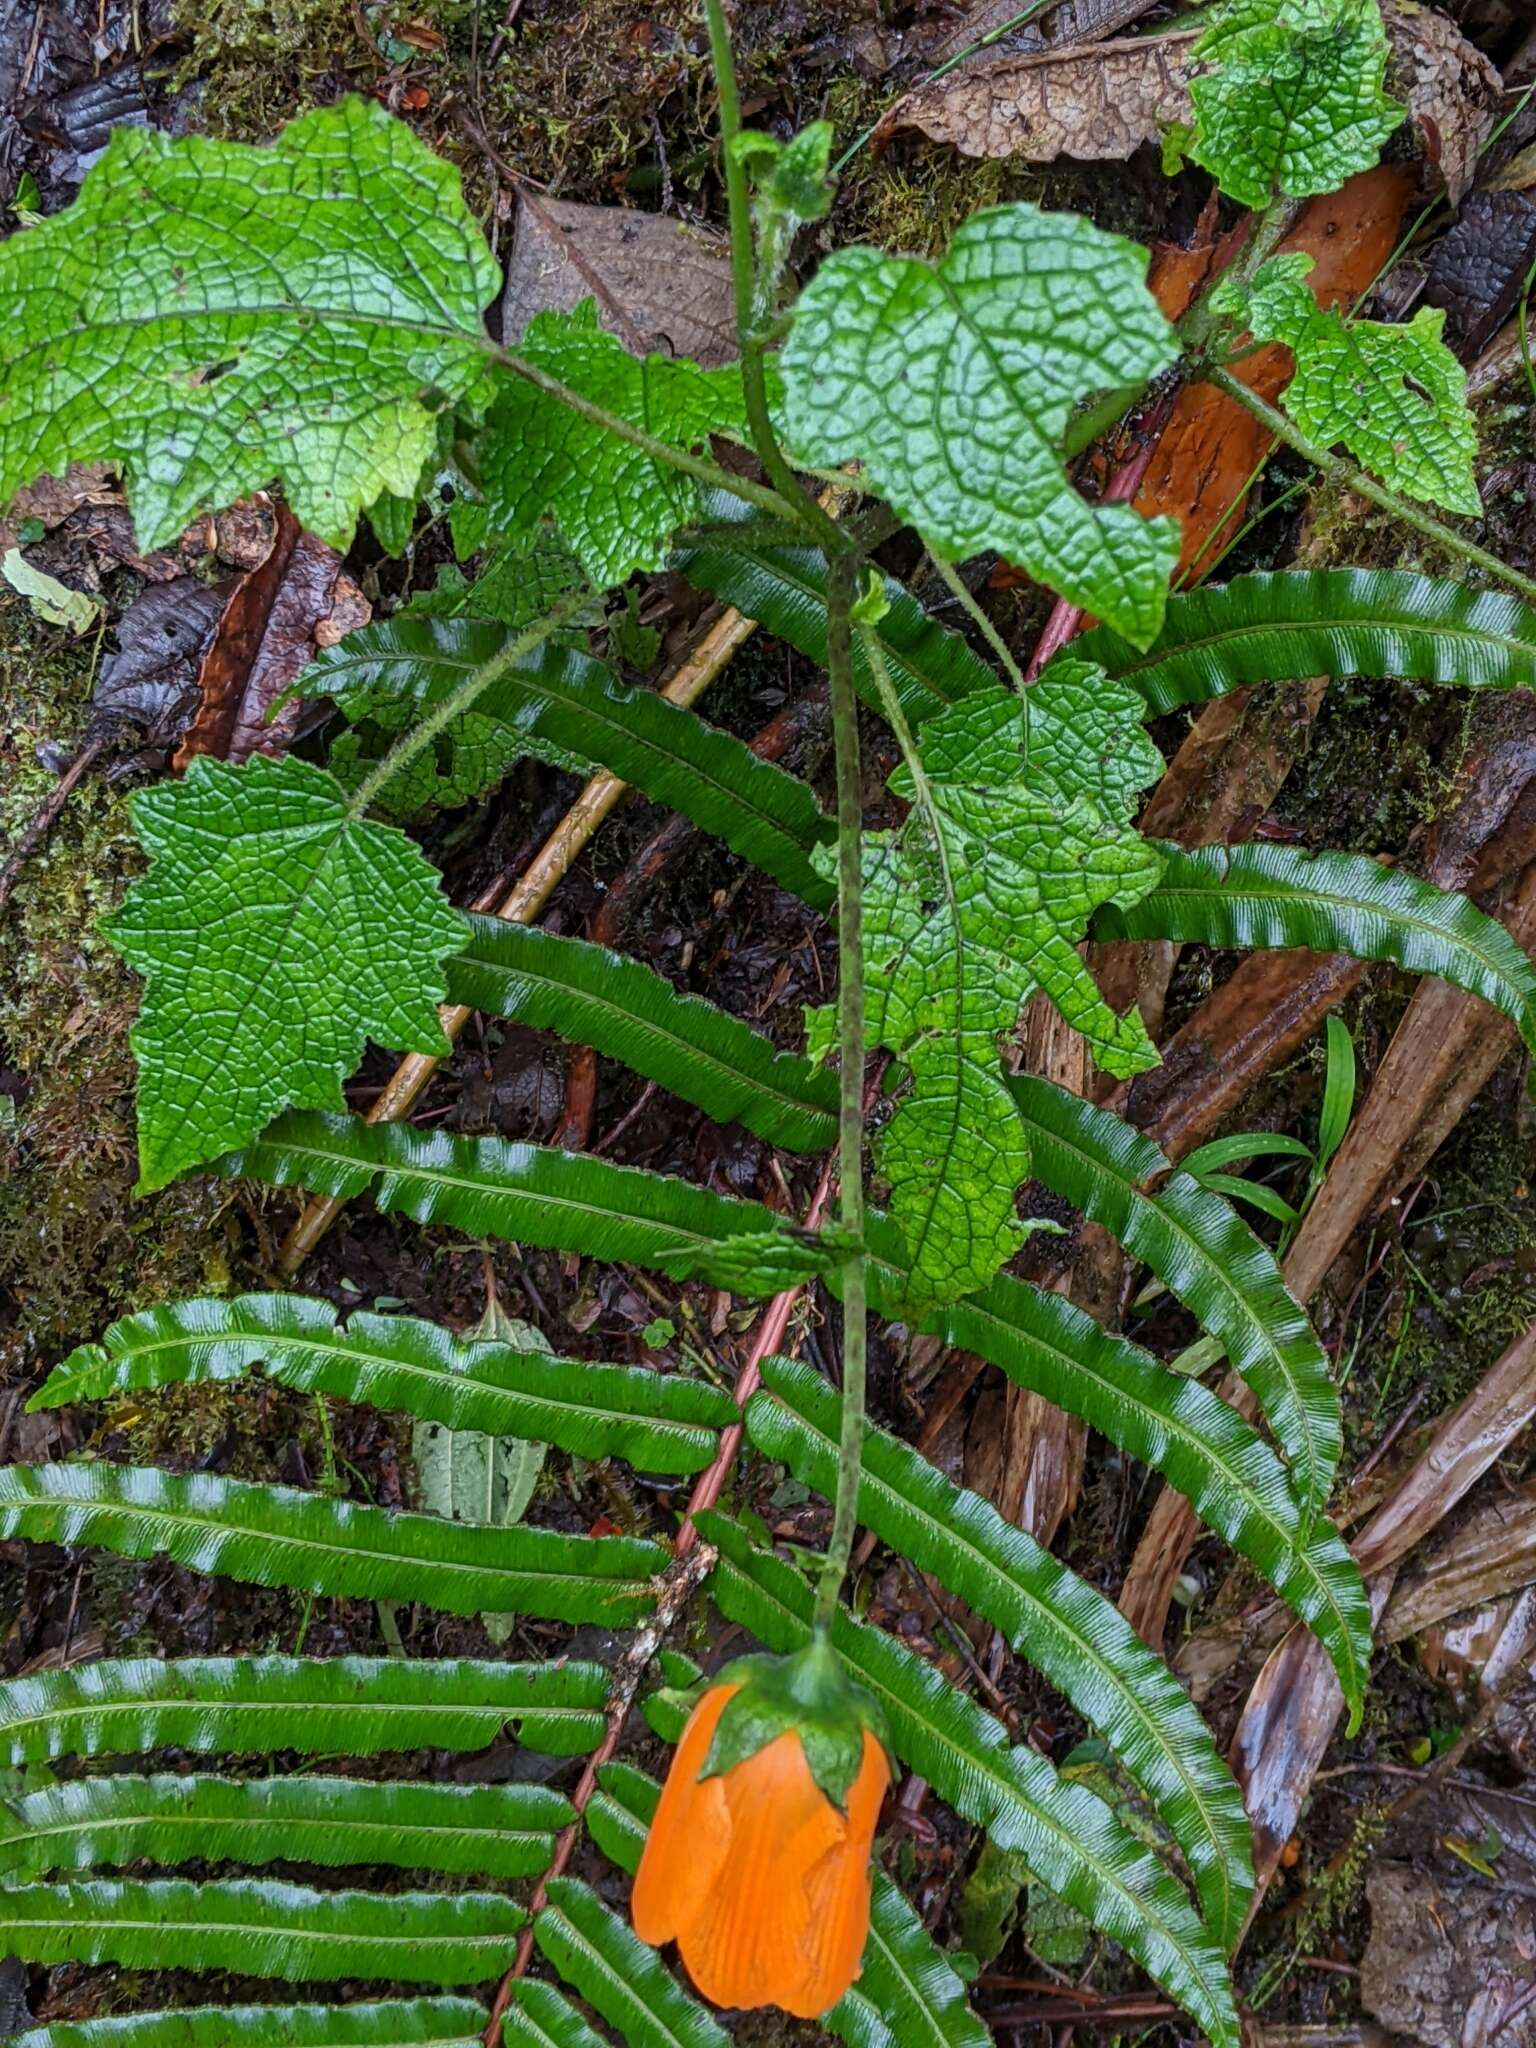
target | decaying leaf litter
[{"x": 1437, "y": 1188}]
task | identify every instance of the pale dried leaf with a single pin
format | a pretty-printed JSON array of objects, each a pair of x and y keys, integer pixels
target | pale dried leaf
[{"x": 662, "y": 286}]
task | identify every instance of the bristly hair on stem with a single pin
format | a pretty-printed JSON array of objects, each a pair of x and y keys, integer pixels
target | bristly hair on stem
[
  {"x": 843, "y": 557},
  {"x": 850, "y": 1035}
]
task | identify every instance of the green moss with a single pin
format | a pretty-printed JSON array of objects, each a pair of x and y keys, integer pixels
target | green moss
[{"x": 75, "y": 1248}]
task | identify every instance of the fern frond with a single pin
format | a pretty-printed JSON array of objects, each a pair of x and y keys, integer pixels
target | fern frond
[
  {"x": 1271, "y": 897},
  {"x": 542, "y": 2017},
  {"x": 570, "y": 1203},
  {"x": 595, "y": 997},
  {"x": 1070, "y": 1840},
  {"x": 1224, "y": 1468},
  {"x": 277, "y": 1536},
  {"x": 258, "y": 1927},
  {"x": 473, "y": 1830},
  {"x": 1082, "y": 1643},
  {"x": 567, "y": 700},
  {"x": 660, "y": 1422},
  {"x": 1203, "y": 1252},
  {"x": 1287, "y": 624},
  {"x": 351, "y": 1706},
  {"x": 392, "y": 2023},
  {"x": 617, "y": 1974}
]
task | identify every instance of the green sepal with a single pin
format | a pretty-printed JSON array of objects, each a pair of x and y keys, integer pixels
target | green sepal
[{"x": 810, "y": 1693}]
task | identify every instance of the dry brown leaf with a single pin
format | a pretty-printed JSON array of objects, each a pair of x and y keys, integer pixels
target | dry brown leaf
[
  {"x": 1103, "y": 100},
  {"x": 1491, "y": 1553},
  {"x": 1452, "y": 91},
  {"x": 298, "y": 599},
  {"x": 661, "y": 286},
  {"x": 1092, "y": 102}
]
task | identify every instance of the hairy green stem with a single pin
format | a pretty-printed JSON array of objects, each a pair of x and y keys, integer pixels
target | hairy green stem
[
  {"x": 1366, "y": 486},
  {"x": 458, "y": 701},
  {"x": 850, "y": 1031},
  {"x": 749, "y": 315},
  {"x": 699, "y": 467}
]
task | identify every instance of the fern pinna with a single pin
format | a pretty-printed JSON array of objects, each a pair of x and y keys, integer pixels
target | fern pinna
[{"x": 281, "y": 926}]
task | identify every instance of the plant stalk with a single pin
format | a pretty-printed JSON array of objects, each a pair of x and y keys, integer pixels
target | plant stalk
[
  {"x": 420, "y": 737},
  {"x": 744, "y": 277},
  {"x": 1366, "y": 486},
  {"x": 850, "y": 1126}
]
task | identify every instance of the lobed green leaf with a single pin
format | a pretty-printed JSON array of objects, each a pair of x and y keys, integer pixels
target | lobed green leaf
[
  {"x": 616, "y": 506},
  {"x": 1289, "y": 96},
  {"x": 276, "y": 1536},
  {"x": 208, "y": 316},
  {"x": 1082, "y": 1643},
  {"x": 500, "y": 1831},
  {"x": 353, "y": 1706},
  {"x": 277, "y": 933},
  {"x": 658, "y": 1421},
  {"x": 953, "y": 386}
]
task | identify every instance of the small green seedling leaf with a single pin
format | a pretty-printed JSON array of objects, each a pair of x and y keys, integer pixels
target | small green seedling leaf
[
  {"x": 1395, "y": 396},
  {"x": 51, "y": 601},
  {"x": 953, "y": 385},
  {"x": 616, "y": 506},
  {"x": 276, "y": 933},
  {"x": 209, "y": 316},
  {"x": 1338, "y": 1092},
  {"x": 762, "y": 1262},
  {"x": 1289, "y": 100}
]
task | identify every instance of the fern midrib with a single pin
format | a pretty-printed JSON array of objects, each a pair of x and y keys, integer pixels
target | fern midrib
[
  {"x": 129, "y": 1823},
  {"x": 1264, "y": 890},
  {"x": 961, "y": 1536},
  {"x": 378, "y": 1363},
  {"x": 1199, "y": 643},
  {"x": 678, "y": 1236},
  {"x": 495, "y": 1717},
  {"x": 939, "y": 2036},
  {"x": 227, "y": 1533},
  {"x": 695, "y": 1053},
  {"x": 318, "y": 1937},
  {"x": 1174, "y": 1426}
]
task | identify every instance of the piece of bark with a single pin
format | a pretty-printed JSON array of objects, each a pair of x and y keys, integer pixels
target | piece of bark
[
  {"x": 1443, "y": 1964},
  {"x": 1491, "y": 1553},
  {"x": 298, "y": 600},
  {"x": 662, "y": 286},
  {"x": 1295, "y": 1704},
  {"x": 1479, "y": 266}
]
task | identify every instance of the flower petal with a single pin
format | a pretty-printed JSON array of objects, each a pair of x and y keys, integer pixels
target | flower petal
[
  {"x": 690, "y": 1837},
  {"x": 748, "y": 1946},
  {"x": 838, "y": 1890}
]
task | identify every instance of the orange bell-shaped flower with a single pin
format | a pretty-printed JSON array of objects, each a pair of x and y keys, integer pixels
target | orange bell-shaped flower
[{"x": 760, "y": 1877}]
